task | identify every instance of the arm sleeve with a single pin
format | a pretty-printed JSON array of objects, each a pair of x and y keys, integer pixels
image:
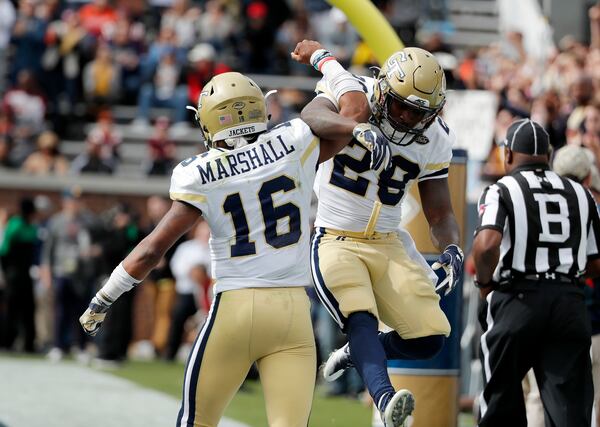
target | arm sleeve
[
  {"x": 593, "y": 240},
  {"x": 492, "y": 211},
  {"x": 185, "y": 186}
]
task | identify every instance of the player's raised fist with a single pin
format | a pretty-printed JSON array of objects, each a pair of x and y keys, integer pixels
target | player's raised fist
[{"x": 304, "y": 51}]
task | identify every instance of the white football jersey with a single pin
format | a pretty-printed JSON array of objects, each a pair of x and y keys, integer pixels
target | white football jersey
[
  {"x": 256, "y": 200},
  {"x": 347, "y": 188}
]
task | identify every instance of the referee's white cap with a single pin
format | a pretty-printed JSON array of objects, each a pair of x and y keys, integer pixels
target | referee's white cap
[{"x": 527, "y": 137}]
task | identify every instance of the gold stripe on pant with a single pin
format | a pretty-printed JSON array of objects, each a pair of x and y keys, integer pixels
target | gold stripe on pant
[{"x": 269, "y": 326}]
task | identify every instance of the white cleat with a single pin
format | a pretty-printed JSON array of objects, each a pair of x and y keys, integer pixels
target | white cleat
[
  {"x": 337, "y": 363},
  {"x": 398, "y": 409}
]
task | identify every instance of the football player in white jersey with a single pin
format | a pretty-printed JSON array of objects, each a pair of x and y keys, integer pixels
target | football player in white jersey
[
  {"x": 253, "y": 187},
  {"x": 364, "y": 267}
]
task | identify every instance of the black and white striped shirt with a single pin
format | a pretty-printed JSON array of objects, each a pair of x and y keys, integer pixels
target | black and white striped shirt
[{"x": 549, "y": 224}]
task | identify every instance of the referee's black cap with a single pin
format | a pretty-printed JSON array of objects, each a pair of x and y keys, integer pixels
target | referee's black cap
[{"x": 527, "y": 137}]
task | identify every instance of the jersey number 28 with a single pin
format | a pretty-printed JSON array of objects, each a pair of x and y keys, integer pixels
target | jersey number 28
[{"x": 271, "y": 214}]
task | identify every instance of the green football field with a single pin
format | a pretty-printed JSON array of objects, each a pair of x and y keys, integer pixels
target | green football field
[{"x": 248, "y": 405}]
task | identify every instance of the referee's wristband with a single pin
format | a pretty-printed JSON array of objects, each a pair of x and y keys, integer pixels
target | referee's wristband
[{"x": 480, "y": 285}]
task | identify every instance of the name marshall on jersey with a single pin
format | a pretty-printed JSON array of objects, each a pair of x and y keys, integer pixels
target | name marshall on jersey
[{"x": 238, "y": 163}]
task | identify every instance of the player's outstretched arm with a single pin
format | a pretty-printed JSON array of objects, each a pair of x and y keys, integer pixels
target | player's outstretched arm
[
  {"x": 444, "y": 232},
  {"x": 136, "y": 266},
  {"x": 346, "y": 89}
]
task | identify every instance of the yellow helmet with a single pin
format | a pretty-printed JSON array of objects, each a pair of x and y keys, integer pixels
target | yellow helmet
[
  {"x": 410, "y": 80},
  {"x": 231, "y": 108}
]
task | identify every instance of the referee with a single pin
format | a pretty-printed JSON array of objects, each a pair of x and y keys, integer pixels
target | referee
[{"x": 537, "y": 234}]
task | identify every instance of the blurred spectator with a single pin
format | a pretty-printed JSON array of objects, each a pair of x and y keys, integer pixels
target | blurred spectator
[
  {"x": 47, "y": 159},
  {"x": 17, "y": 256},
  {"x": 215, "y": 25},
  {"x": 27, "y": 106},
  {"x": 66, "y": 251},
  {"x": 182, "y": 18},
  {"x": 403, "y": 15},
  {"x": 127, "y": 51},
  {"x": 161, "y": 149},
  {"x": 291, "y": 33},
  {"x": 202, "y": 68},
  {"x": 28, "y": 39},
  {"x": 5, "y": 146},
  {"x": 121, "y": 234},
  {"x": 589, "y": 130},
  {"x": 98, "y": 17},
  {"x": 161, "y": 277},
  {"x": 581, "y": 92},
  {"x": 165, "y": 43},
  {"x": 44, "y": 303},
  {"x": 7, "y": 19},
  {"x": 262, "y": 21},
  {"x": 277, "y": 110},
  {"x": 575, "y": 163},
  {"x": 91, "y": 161},
  {"x": 67, "y": 43},
  {"x": 102, "y": 78},
  {"x": 164, "y": 90},
  {"x": 191, "y": 267},
  {"x": 546, "y": 110},
  {"x": 342, "y": 37},
  {"x": 110, "y": 138}
]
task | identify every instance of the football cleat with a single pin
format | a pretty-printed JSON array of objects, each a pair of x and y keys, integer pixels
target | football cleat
[
  {"x": 337, "y": 362},
  {"x": 398, "y": 409}
]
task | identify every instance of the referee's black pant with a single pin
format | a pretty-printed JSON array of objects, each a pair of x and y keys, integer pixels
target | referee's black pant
[{"x": 543, "y": 326}]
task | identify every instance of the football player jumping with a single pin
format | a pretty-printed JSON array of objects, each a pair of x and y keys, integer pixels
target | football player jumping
[
  {"x": 253, "y": 186},
  {"x": 364, "y": 268}
]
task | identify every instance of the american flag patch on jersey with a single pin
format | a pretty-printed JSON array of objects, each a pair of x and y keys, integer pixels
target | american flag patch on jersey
[{"x": 225, "y": 120}]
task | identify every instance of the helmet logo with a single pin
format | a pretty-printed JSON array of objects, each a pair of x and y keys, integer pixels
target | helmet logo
[
  {"x": 238, "y": 105},
  {"x": 200, "y": 98},
  {"x": 394, "y": 66}
]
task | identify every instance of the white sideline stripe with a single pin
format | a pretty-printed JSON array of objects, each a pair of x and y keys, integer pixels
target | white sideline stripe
[
  {"x": 190, "y": 367},
  {"x": 35, "y": 392}
]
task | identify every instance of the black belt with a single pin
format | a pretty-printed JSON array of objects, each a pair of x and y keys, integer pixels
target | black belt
[{"x": 547, "y": 278}]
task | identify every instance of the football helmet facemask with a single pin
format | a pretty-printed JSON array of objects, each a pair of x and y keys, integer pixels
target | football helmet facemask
[
  {"x": 410, "y": 91},
  {"x": 231, "y": 108}
]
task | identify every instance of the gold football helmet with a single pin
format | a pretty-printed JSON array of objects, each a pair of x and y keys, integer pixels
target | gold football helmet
[
  {"x": 231, "y": 108},
  {"x": 410, "y": 91}
]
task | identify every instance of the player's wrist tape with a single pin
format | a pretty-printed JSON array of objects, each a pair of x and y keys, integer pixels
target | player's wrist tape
[
  {"x": 319, "y": 57},
  {"x": 117, "y": 284}
]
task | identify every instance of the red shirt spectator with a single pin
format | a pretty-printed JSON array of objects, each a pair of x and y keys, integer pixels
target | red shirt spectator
[
  {"x": 202, "y": 68},
  {"x": 96, "y": 16}
]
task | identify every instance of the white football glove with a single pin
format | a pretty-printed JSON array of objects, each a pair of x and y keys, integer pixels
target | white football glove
[
  {"x": 381, "y": 153},
  {"x": 92, "y": 318}
]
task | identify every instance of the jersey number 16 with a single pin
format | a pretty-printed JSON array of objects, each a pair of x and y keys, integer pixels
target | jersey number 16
[{"x": 271, "y": 214}]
